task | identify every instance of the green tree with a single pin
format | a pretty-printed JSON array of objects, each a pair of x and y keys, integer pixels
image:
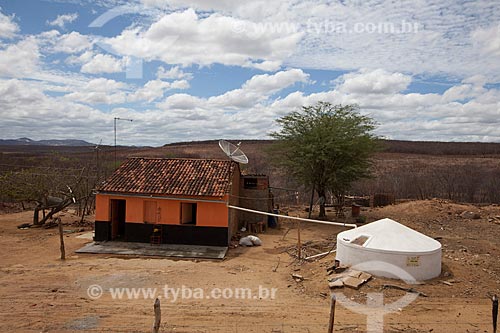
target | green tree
[{"x": 326, "y": 146}]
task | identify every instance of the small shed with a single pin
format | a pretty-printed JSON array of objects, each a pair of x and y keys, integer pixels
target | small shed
[
  {"x": 390, "y": 249},
  {"x": 255, "y": 194},
  {"x": 170, "y": 200}
]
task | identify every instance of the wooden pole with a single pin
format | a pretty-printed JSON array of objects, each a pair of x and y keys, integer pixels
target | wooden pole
[
  {"x": 311, "y": 202},
  {"x": 332, "y": 314},
  {"x": 61, "y": 238},
  {"x": 114, "y": 165},
  {"x": 156, "y": 326},
  {"x": 494, "y": 312},
  {"x": 299, "y": 245}
]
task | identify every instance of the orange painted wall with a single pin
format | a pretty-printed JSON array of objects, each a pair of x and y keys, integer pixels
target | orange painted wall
[
  {"x": 208, "y": 213},
  {"x": 101, "y": 207},
  {"x": 170, "y": 211},
  {"x": 134, "y": 209},
  {"x": 212, "y": 214}
]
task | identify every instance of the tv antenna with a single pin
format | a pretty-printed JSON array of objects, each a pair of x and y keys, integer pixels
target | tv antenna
[
  {"x": 97, "y": 149},
  {"x": 233, "y": 151},
  {"x": 115, "y": 119}
]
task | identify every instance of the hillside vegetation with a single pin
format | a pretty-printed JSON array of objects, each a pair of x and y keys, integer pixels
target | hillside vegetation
[{"x": 466, "y": 172}]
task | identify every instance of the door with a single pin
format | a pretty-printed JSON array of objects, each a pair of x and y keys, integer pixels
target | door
[
  {"x": 118, "y": 209},
  {"x": 150, "y": 212}
]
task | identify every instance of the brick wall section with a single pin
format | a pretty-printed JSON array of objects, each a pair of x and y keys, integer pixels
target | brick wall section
[
  {"x": 257, "y": 198},
  {"x": 234, "y": 223}
]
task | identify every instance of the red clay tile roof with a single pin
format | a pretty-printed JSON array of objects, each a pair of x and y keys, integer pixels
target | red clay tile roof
[{"x": 164, "y": 176}]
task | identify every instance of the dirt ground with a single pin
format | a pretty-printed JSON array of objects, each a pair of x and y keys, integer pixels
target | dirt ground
[{"x": 41, "y": 293}]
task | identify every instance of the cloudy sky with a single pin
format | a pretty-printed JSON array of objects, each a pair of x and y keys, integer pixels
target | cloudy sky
[{"x": 207, "y": 69}]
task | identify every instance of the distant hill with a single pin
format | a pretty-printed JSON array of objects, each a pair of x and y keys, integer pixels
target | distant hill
[
  {"x": 441, "y": 148},
  {"x": 30, "y": 142},
  {"x": 388, "y": 146}
]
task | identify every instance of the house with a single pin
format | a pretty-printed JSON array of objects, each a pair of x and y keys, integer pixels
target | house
[{"x": 178, "y": 201}]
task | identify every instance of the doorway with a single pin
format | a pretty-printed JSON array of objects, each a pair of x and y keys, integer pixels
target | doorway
[
  {"x": 118, "y": 209},
  {"x": 188, "y": 213}
]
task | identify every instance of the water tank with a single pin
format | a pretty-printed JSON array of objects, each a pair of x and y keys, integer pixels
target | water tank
[{"x": 389, "y": 249}]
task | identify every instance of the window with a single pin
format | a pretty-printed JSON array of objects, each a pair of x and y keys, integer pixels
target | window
[
  {"x": 250, "y": 183},
  {"x": 360, "y": 240},
  {"x": 188, "y": 213}
]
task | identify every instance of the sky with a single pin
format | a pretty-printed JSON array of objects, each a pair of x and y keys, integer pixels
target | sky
[{"x": 187, "y": 70}]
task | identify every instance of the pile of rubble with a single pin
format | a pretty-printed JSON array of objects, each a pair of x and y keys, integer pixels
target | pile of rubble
[
  {"x": 495, "y": 219},
  {"x": 343, "y": 277}
]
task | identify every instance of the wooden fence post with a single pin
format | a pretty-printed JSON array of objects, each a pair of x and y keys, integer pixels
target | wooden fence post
[
  {"x": 494, "y": 312},
  {"x": 61, "y": 238},
  {"x": 157, "y": 309},
  {"x": 332, "y": 314},
  {"x": 299, "y": 244}
]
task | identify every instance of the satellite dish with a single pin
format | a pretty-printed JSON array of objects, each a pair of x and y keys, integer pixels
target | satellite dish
[{"x": 233, "y": 151}]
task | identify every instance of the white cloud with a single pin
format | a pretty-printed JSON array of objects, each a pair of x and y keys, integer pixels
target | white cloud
[
  {"x": 197, "y": 4},
  {"x": 269, "y": 84},
  {"x": 20, "y": 59},
  {"x": 488, "y": 40},
  {"x": 257, "y": 89},
  {"x": 182, "y": 102},
  {"x": 15, "y": 91},
  {"x": 99, "y": 91},
  {"x": 174, "y": 73},
  {"x": 72, "y": 43},
  {"x": 373, "y": 82},
  {"x": 457, "y": 93},
  {"x": 108, "y": 91},
  {"x": 80, "y": 59},
  {"x": 454, "y": 40},
  {"x": 103, "y": 63},
  {"x": 435, "y": 37},
  {"x": 185, "y": 38},
  {"x": 155, "y": 89},
  {"x": 468, "y": 110},
  {"x": 27, "y": 111},
  {"x": 103, "y": 84},
  {"x": 61, "y": 20},
  {"x": 180, "y": 84},
  {"x": 267, "y": 65},
  {"x": 97, "y": 97},
  {"x": 255, "y": 10},
  {"x": 8, "y": 28},
  {"x": 444, "y": 39},
  {"x": 478, "y": 80},
  {"x": 152, "y": 90}
]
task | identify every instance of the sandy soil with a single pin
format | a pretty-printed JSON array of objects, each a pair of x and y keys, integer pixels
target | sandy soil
[{"x": 41, "y": 293}]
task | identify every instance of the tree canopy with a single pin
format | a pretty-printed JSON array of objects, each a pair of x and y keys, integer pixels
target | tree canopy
[{"x": 326, "y": 146}]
